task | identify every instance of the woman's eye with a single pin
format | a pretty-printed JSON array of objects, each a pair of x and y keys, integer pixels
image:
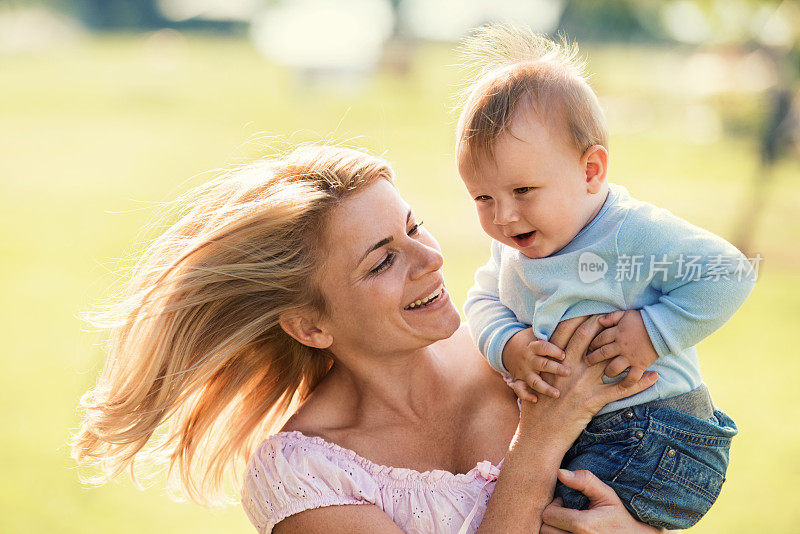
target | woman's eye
[
  {"x": 523, "y": 190},
  {"x": 385, "y": 264},
  {"x": 389, "y": 259}
]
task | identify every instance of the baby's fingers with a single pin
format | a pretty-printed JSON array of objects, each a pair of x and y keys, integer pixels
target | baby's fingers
[
  {"x": 609, "y": 335},
  {"x": 606, "y": 352},
  {"x": 538, "y": 384},
  {"x": 540, "y": 364},
  {"x": 523, "y": 391},
  {"x": 634, "y": 375},
  {"x": 611, "y": 319},
  {"x": 541, "y": 347},
  {"x": 616, "y": 366}
]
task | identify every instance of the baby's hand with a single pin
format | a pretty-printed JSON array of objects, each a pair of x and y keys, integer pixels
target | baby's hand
[
  {"x": 626, "y": 343},
  {"x": 526, "y": 357}
]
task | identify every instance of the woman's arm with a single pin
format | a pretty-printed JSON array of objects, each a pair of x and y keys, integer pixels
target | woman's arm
[
  {"x": 546, "y": 431},
  {"x": 342, "y": 519}
]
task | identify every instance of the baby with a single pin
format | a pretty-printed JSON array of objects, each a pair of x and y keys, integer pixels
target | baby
[{"x": 532, "y": 150}]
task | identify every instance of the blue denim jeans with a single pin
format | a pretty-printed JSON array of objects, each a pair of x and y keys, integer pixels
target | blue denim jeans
[{"x": 666, "y": 465}]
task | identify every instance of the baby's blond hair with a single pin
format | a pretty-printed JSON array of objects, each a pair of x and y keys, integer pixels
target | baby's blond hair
[{"x": 512, "y": 69}]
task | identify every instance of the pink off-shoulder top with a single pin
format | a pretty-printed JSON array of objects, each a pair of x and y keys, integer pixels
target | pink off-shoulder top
[{"x": 291, "y": 472}]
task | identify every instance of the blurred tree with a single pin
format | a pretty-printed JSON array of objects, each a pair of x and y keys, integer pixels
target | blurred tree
[
  {"x": 779, "y": 137},
  {"x": 398, "y": 49},
  {"x": 120, "y": 14},
  {"x": 611, "y": 20},
  {"x": 112, "y": 15}
]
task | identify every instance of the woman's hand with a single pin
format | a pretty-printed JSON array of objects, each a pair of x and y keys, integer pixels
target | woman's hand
[
  {"x": 606, "y": 512},
  {"x": 583, "y": 393},
  {"x": 547, "y": 429}
]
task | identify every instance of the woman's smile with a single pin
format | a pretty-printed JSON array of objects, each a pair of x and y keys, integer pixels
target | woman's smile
[{"x": 432, "y": 301}]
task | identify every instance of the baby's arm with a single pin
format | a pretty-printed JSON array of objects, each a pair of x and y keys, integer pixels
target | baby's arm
[
  {"x": 508, "y": 344},
  {"x": 701, "y": 278}
]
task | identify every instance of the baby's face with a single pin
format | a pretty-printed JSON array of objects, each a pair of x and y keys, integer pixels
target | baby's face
[{"x": 534, "y": 195}]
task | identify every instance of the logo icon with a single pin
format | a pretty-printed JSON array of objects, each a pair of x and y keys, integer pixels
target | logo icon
[{"x": 591, "y": 267}]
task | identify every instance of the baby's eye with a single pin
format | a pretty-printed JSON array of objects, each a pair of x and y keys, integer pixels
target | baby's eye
[
  {"x": 523, "y": 190},
  {"x": 414, "y": 230},
  {"x": 482, "y": 198}
]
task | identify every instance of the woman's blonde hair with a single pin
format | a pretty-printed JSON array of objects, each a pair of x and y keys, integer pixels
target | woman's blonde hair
[
  {"x": 198, "y": 369},
  {"x": 510, "y": 67}
]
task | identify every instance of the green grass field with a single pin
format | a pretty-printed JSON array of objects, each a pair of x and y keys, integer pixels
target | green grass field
[{"x": 95, "y": 134}]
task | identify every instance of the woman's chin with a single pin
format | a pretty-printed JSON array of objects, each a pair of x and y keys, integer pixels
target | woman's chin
[
  {"x": 449, "y": 321},
  {"x": 453, "y": 323},
  {"x": 440, "y": 321}
]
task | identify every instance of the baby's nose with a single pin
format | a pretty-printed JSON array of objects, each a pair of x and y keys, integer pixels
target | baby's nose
[{"x": 504, "y": 214}]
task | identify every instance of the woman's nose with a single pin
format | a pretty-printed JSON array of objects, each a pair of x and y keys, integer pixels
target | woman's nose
[
  {"x": 505, "y": 213},
  {"x": 429, "y": 259}
]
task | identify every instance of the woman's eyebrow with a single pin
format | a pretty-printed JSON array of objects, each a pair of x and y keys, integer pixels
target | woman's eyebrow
[{"x": 382, "y": 242}]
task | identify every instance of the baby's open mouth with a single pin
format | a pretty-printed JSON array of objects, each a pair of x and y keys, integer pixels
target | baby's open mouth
[{"x": 524, "y": 239}]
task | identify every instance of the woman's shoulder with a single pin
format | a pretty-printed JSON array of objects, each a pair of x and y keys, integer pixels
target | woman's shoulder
[
  {"x": 290, "y": 472},
  {"x": 293, "y": 449}
]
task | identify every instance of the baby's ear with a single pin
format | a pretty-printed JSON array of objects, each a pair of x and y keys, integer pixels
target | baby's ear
[
  {"x": 302, "y": 326},
  {"x": 595, "y": 164}
]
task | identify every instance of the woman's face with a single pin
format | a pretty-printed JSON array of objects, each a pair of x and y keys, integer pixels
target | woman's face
[{"x": 380, "y": 268}]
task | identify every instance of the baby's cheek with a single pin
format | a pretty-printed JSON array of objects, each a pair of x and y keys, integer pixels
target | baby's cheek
[{"x": 488, "y": 226}]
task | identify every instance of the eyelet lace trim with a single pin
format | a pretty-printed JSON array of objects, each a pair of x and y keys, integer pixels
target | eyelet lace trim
[{"x": 485, "y": 469}]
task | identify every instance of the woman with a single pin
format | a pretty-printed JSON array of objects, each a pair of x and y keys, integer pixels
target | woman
[{"x": 308, "y": 280}]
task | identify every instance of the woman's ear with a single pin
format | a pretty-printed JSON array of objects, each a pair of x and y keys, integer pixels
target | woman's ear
[
  {"x": 303, "y": 327},
  {"x": 595, "y": 164}
]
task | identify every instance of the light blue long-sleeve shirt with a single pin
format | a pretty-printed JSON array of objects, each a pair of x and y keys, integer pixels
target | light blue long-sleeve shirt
[{"x": 686, "y": 281}]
